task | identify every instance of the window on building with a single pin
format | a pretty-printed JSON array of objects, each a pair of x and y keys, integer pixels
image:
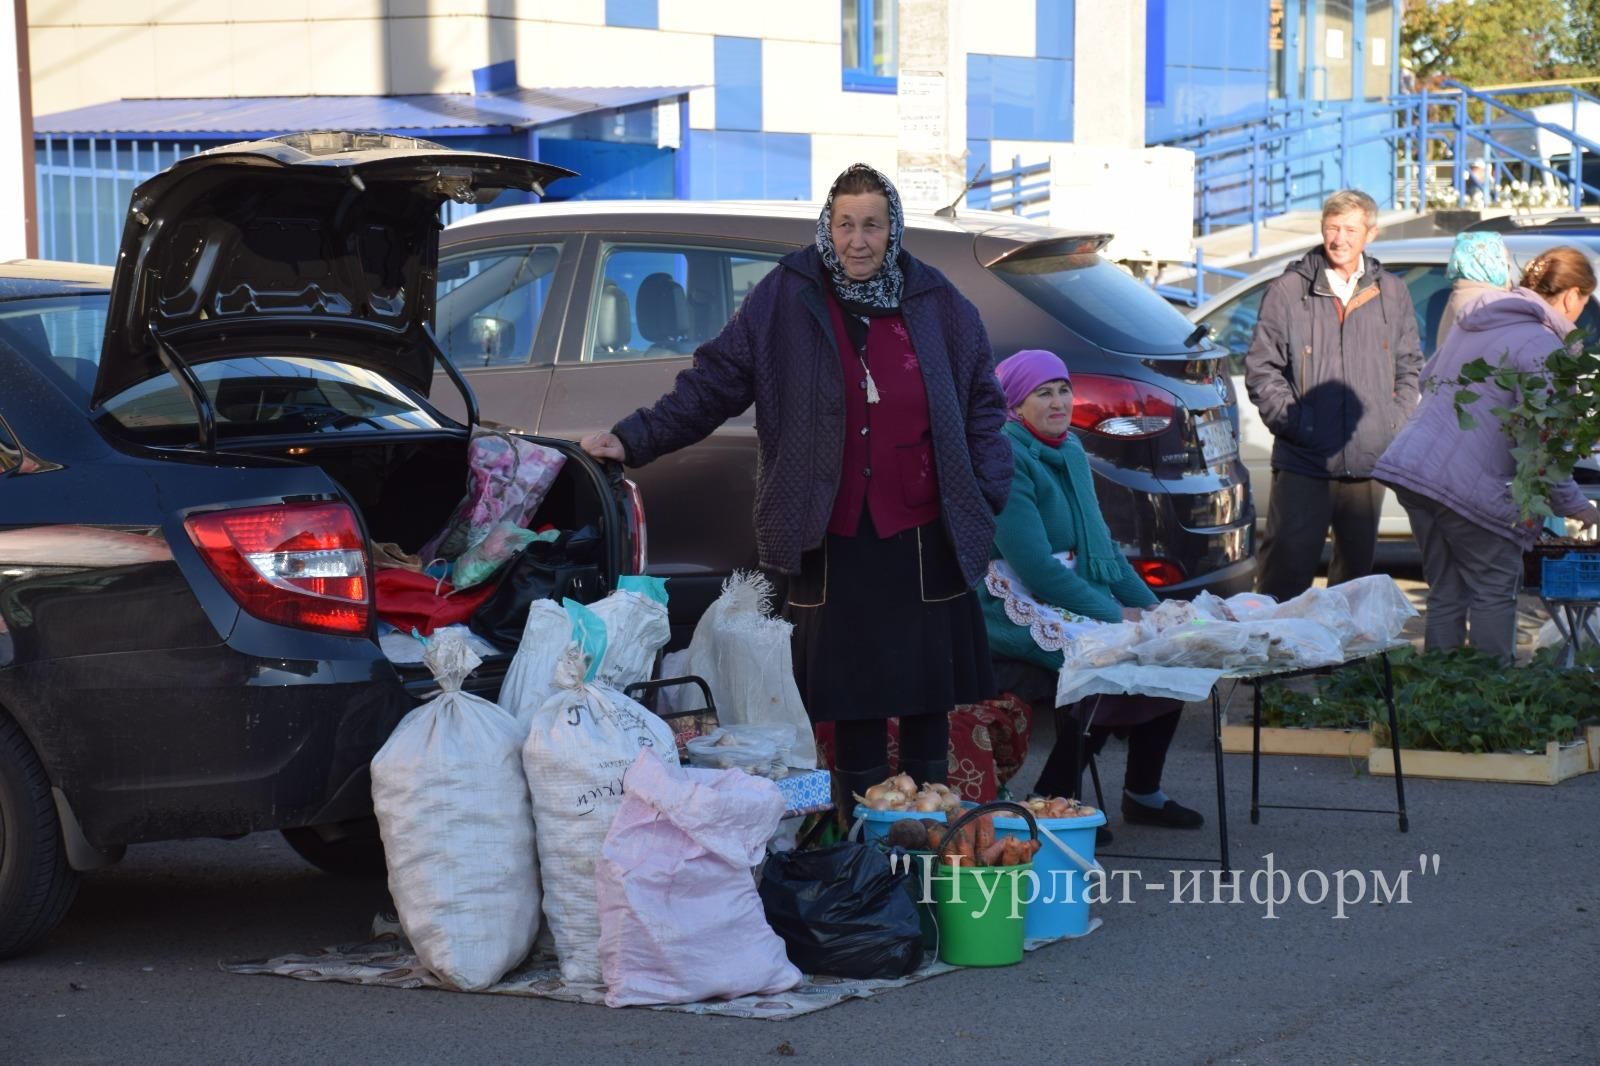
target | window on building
[
  {"x": 490, "y": 303},
  {"x": 654, "y": 301},
  {"x": 1332, "y": 72},
  {"x": 870, "y": 44},
  {"x": 1379, "y": 48}
]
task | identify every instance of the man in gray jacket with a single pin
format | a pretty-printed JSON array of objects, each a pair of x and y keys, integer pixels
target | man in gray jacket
[{"x": 1333, "y": 368}]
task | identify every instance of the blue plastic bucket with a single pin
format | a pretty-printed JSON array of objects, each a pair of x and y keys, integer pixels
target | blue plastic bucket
[
  {"x": 1061, "y": 908},
  {"x": 875, "y": 824}
]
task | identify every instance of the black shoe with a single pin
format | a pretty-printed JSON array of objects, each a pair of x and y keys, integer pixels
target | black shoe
[
  {"x": 1102, "y": 836},
  {"x": 1170, "y": 816}
]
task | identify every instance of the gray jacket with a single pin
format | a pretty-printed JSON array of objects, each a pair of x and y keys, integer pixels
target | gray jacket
[{"x": 1334, "y": 383}]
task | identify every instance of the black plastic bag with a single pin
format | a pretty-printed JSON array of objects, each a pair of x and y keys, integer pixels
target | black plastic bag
[
  {"x": 842, "y": 911},
  {"x": 544, "y": 570}
]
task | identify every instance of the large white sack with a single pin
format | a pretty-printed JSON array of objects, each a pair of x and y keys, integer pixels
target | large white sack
[
  {"x": 580, "y": 743},
  {"x": 744, "y": 655},
  {"x": 636, "y": 628},
  {"x": 680, "y": 918},
  {"x": 531, "y": 678},
  {"x": 1379, "y": 609},
  {"x": 452, "y": 806}
]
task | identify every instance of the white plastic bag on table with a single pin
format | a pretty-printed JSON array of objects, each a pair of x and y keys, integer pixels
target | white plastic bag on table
[
  {"x": 1103, "y": 645},
  {"x": 1379, "y": 609},
  {"x": 1324, "y": 606},
  {"x": 1247, "y": 605},
  {"x": 636, "y": 628},
  {"x": 580, "y": 743},
  {"x": 680, "y": 919},
  {"x": 531, "y": 678},
  {"x": 744, "y": 656},
  {"x": 755, "y": 749},
  {"x": 452, "y": 806},
  {"x": 1300, "y": 643},
  {"x": 1206, "y": 643}
]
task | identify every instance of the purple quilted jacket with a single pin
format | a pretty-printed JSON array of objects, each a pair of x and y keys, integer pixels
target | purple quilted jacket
[
  {"x": 1470, "y": 470},
  {"x": 779, "y": 352}
]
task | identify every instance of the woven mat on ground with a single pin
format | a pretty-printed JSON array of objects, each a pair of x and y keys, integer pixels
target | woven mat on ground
[{"x": 388, "y": 961}]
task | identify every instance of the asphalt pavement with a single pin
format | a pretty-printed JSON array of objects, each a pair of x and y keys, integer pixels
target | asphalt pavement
[{"x": 1489, "y": 957}]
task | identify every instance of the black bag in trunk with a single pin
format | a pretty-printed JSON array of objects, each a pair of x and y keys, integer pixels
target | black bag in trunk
[{"x": 544, "y": 570}]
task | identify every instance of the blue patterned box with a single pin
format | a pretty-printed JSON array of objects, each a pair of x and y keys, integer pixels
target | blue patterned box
[{"x": 807, "y": 791}]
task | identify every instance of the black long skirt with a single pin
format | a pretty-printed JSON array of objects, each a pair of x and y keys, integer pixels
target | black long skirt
[{"x": 885, "y": 627}]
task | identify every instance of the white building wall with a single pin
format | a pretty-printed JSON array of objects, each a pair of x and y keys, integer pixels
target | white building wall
[{"x": 1000, "y": 27}]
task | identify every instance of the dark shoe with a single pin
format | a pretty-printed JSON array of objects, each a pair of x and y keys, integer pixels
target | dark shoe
[
  {"x": 1102, "y": 836},
  {"x": 1171, "y": 816}
]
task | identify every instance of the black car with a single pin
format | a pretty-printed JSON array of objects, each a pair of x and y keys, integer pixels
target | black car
[
  {"x": 195, "y": 454},
  {"x": 566, "y": 316}
]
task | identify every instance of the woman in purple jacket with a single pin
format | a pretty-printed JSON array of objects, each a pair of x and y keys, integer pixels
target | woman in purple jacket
[
  {"x": 881, "y": 470},
  {"x": 1455, "y": 483}
]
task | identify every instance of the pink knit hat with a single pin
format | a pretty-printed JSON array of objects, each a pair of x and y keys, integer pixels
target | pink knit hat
[{"x": 1020, "y": 374}]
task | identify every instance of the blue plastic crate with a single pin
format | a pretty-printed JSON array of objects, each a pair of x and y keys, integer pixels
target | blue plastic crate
[{"x": 1574, "y": 576}]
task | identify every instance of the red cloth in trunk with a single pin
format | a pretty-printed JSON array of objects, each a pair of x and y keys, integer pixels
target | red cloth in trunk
[{"x": 407, "y": 600}]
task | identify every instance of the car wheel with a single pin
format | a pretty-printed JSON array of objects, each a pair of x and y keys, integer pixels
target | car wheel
[
  {"x": 36, "y": 884},
  {"x": 356, "y": 850}
]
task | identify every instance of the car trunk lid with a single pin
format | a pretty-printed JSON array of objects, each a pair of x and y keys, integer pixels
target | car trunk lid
[{"x": 327, "y": 238}]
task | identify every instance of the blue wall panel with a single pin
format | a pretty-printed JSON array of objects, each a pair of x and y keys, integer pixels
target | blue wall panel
[
  {"x": 1215, "y": 67},
  {"x": 1018, "y": 98},
  {"x": 1155, "y": 52},
  {"x": 738, "y": 83},
  {"x": 749, "y": 165},
  {"x": 1052, "y": 28},
  {"x": 640, "y": 14},
  {"x": 608, "y": 170}
]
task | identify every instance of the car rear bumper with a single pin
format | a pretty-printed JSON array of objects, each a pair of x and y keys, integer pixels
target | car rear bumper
[{"x": 209, "y": 742}]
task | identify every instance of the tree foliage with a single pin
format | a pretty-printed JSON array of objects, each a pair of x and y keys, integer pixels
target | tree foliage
[{"x": 1493, "y": 42}]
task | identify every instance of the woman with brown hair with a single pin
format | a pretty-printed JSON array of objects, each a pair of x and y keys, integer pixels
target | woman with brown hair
[
  {"x": 881, "y": 470},
  {"x": 1455, "y": 483}
]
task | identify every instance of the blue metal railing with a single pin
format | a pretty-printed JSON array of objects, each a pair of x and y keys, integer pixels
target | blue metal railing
[
  {"x": 1017, "y": 189},
  {"x": 1194, "y": 292},
  {"x": 1246, "y": 171}
]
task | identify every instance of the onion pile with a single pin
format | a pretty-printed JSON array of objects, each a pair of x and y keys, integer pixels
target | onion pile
[
  {"x": 1057, "y": 807},
  {"x": 900, "y": 793}
]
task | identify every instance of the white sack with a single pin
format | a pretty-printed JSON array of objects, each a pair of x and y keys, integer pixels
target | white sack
[
  {"x": 1379, "y": 609},
  {"x": 1207, "y": 644},
  {"x": 1300, "y": 643},
  {"x": 580, "y": 743},
  {"x": 636, "y": 628},
  {"x": 744, "y": 656},
  {"x": 457, "y": 829},
  {"x": 680, "y": 918},
  {"x": 531, "y": 678}
]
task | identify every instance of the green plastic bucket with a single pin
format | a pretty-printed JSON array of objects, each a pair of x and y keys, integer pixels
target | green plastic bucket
[{"x": 981, "y": 911}]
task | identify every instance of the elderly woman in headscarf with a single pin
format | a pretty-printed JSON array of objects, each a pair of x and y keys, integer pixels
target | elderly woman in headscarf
[
  {"x": 1055, "y": 565},
  {"x": 1479, "y": 269},
  {"x": 881, "y": 470}
]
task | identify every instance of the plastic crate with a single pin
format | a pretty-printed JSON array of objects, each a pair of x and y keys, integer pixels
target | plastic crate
[{"x": 1574, "y": 576}]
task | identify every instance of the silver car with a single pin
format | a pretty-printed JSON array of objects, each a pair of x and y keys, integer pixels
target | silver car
[{"x": 1419, "y": 262}]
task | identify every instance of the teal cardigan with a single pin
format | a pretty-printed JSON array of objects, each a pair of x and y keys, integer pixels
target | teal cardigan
[{"x": 1036, "y": 523}]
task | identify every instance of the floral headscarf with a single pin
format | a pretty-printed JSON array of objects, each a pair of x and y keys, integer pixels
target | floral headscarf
[
  {"x": 882, "y": 290},
  {"x": 1480, "y": 257}
]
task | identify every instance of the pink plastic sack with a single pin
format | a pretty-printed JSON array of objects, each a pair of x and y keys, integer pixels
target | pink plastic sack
[{"x": 680, "y": 920}]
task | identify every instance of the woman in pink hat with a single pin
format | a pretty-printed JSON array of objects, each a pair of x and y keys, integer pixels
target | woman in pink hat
[{"x": 1054, "y": 559}]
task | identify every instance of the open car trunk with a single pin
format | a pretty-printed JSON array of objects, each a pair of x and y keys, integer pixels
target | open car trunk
[{"x": 405, "y": 488}]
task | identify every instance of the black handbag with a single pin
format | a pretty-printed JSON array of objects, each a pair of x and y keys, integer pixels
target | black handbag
[{"x": 545, "y": 570}]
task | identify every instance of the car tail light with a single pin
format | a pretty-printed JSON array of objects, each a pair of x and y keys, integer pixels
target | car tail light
[
  {"x": 636, "y": 528},
  {"x": 1120, "y": 407},
  {"x": 301, "y": 564},
  {"x": 1158, "y": 573}
]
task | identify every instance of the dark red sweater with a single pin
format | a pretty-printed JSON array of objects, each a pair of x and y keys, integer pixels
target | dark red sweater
[{"x": 888, "y": 446}]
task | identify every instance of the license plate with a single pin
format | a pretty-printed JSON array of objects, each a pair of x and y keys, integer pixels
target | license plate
[{"x": 1217, "y": 442}]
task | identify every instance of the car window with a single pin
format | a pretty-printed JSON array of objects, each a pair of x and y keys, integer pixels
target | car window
[
  {"x": 490, "y": 303},
  {"x": 1430, "y": 291},
  {"x": 1234, "y": 323},
  {"x": 66, "y": 329},
  {"x": 254, "y": 395},
  {"x": 1099, "y": 301},
  {"x": 654, "y": 300}
]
